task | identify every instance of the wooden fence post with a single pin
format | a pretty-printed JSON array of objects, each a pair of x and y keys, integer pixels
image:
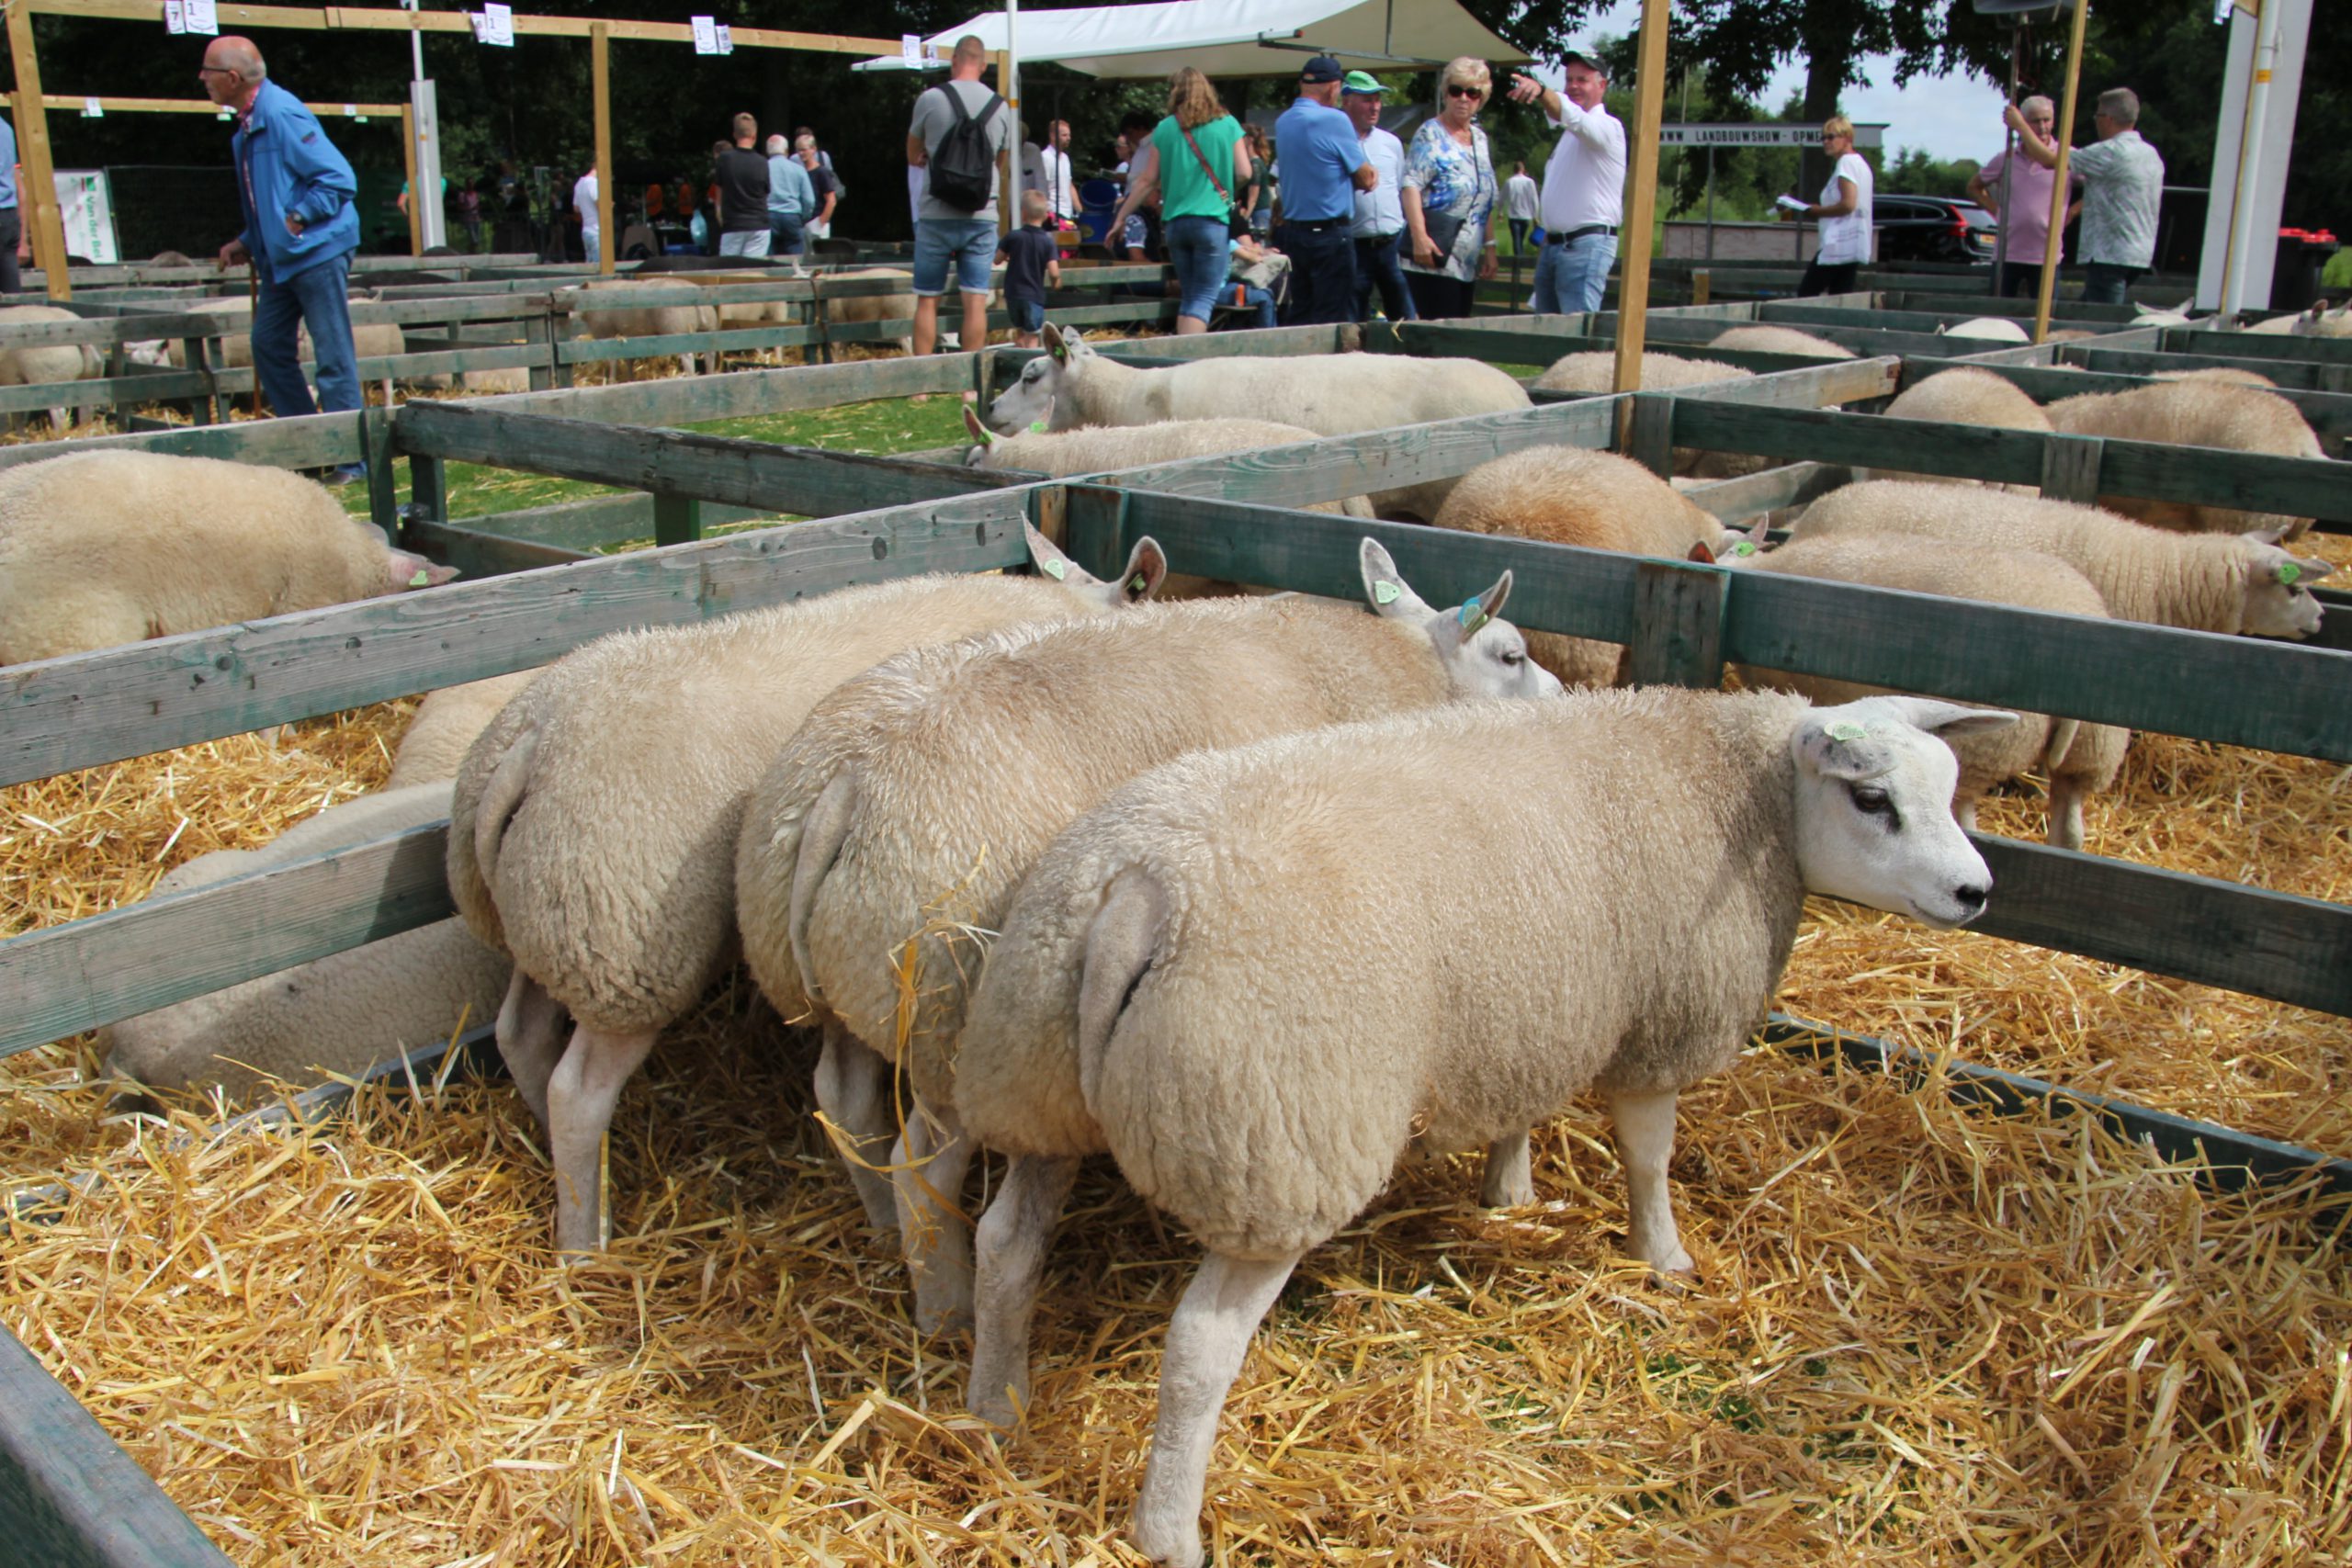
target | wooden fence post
[
  {"x": 600, "y": 68},
  {"x": 39, "y": 198},
  {"x": 2070, "y": 467},
  {"x": 676, "y": 519},
  {"x": 1647, "y": 432},
  {"x": 1677, "y": 624}
]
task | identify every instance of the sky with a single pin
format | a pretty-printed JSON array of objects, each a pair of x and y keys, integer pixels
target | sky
[{"x": 1956, "y": 116}]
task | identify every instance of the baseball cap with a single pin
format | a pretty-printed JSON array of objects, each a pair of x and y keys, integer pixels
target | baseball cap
[
  {"x": 1577, "y": 57},
  {"x": 1361, "y": 82},
  {"x": 1322, "y": 68}
]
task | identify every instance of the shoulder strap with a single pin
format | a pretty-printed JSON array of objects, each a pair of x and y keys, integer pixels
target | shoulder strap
[
  {"x": 1196, "y": 146},
  {"x": 955, "y": 102}
]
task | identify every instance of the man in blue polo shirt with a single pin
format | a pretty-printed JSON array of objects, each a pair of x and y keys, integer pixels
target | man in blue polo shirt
[{"x": 1323, "y": 166}]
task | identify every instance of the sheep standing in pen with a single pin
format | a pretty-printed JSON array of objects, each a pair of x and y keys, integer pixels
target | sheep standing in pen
[
  {"x": 592, "y": 832},
  {"x": 2207, "y": 582},
  {"x": 1965, "y": 395},
  {"x": 1070, "y": 385},
  {"x": 446, "y": 724},
  {"x": 603, "y": 309},
  {"x": 53, "y": 365},
  {"x": 1568, "y": 495},
  {"x": 844, "y": 310},
  {"x": 909, "y": 803},
  {"x": 1258, "y": 978},
  {"x": 1759, "y": 338},
  {"x": 2204, "y": 412},
  {"x": 100, "y": 548},
  {"x": 343, "y": 1013},
  {"x": 2078, "y": 759}
]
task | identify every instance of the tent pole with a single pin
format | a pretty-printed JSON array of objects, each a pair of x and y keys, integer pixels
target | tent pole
[
  {"x": 1008, "y": 162},
  {"x": 40, "y": 174},
  {"x": 2264, "y": 59},
  {"x": 600, "y": 68},
  {"x": 2058, "y": 175},
  {"x": 1634, "y": 255}
]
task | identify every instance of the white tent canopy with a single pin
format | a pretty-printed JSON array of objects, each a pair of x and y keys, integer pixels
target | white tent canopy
[{"x": 1233, "y": 38}]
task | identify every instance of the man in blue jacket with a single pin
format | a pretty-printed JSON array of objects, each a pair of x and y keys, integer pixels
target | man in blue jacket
[{"x": 300, "y": 228}]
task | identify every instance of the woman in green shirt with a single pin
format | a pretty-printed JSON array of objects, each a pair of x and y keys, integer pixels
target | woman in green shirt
[{"x": 1197, "y": 159}]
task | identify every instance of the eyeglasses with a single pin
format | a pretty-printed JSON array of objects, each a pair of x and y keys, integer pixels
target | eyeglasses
[{"x": 1462, "y": 90}]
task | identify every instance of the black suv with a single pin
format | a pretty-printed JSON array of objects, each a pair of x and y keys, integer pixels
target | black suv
[{"x": 1932, "y": 228}]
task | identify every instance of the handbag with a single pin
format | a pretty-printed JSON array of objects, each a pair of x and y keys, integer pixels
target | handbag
[
  {"x": 1445, "y": 227},
  {"x": 1236, "y": 222}
]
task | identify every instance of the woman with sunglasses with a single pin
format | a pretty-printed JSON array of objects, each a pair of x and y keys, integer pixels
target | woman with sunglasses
[
  {"x": 1843, "y": 213},
  {"x": 1449, "y": 197}
]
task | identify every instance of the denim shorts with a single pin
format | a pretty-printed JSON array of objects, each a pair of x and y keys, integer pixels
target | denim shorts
[
  {"x": 1201, "y": 250},
  {"x": 970, "y": 243},
  {"x": 1028, "y": 315}
]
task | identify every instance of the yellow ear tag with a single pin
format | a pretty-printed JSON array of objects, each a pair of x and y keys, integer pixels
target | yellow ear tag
[
  {"x": 1847, "y": 732},
  {"x": 1053, "y": 569},
  {"x": 421, "y": 578},
  {"x": 2289, "y": 573},
  {"x": 1385, "y": 593},
  {"x": 1743, "y": 549}
]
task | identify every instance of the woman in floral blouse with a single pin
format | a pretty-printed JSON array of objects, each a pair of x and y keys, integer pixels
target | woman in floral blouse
[{"x": 1449, "y": 197}]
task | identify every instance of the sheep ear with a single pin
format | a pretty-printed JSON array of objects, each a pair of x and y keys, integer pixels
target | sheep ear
[
  {"x": 1701, "y": 554},
  {"x": 1486, "y": 607},
  {"x": 1048, "y": 558},
  {"x": 1057, "y": 345},
  {"x": 981, "y": 432},
  {"x": 1948, "y": 718},
  {"x": 1835, "y": 744},
  {"x": 1392, "y": 597},
  {"x": 2302, "y": 568},
  {"x": 1146, "y": 568}
]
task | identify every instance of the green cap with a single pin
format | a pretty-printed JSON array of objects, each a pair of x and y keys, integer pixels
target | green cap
[{"x": 1361, "y": 82}]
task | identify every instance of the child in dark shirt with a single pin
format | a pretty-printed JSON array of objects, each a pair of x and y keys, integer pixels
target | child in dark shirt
[{"x": 1032, "y": 264}]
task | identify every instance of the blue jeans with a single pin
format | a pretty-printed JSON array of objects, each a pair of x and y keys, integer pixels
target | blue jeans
[
  {"x": 1260, "y": 300},
  {"x": 318, "y": 296},
  {"x": 1200, "y": 251},
  {"x": 1028, "y": 315},
  {"x": 786, "y": 235},
  {"x": 1322, "y": 274},
  {"x": 1377, "y": 269},
  {"x": 970, "y": 242},
  {"x": 1574, "y": 276},
  {"x": 2104, "y": 282}
]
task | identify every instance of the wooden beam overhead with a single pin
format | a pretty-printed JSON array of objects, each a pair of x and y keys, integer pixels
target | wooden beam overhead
[{"x": 356, "y": 18}]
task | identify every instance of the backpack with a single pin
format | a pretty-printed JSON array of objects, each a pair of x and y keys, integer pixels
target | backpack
[{"x": 963, "y": 166}]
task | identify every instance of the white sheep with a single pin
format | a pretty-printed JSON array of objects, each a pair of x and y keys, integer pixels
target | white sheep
[
  {"x": 1759, "y": 338},
  {"x": 446, "y": 724},
  {"x": 2194, "y": 414},
  {"x": 1966, "y": 395},
  {"x": 53, "y": 366},
  {"x": 1070, "y": 385},
  {"x": 2231, "y": 374},
  {"x": 343, "y": 1013},
  {"x": 851, "y": 310},
  {"x": 99, "y": 548},
  {"x": 2078, "y": 759},
  {"x": 2317, "y": 321},
  {"x": 908, "y": 805},
  {"x": 1568, "y": 495},
  {"x": 2207, "y": 582},
  {"x": 1989, "y": 329},
  {"x": 602, "y": 310},
  {"x": 1595, "y": 370},
  {"x": 1258, "y": 977},
  {"x": 592, "y": 832}
]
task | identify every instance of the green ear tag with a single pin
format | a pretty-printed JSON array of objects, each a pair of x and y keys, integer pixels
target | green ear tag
[
  {"x": 1036, "y": 427},
  {"x": 1138, "y": 583},
  {"x": 1743, "y": 549},
  {"x": 2289, "y": 572},
  {"x": 421, "y": 578},
  {"x": 1053, "y": 569},
  {"x": 1847, "y": 732},
  {"x": 1385, "y": 592}
]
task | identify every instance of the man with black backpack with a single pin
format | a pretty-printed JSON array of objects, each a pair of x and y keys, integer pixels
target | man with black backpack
[{"x": 958, "y": 130}]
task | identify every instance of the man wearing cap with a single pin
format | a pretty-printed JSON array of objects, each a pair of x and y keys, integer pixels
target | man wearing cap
[
  {"x": 1323, "y": 166},
  {"x": 1584, "y": 186},
  {"x": 1379, "y": 225}
]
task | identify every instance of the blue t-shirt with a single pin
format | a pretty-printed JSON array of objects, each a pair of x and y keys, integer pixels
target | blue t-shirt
[
  {"x": 1027, "y": 252},
  {"x": 8, "y": 166},
  {"x": 1320, "y": 155}
]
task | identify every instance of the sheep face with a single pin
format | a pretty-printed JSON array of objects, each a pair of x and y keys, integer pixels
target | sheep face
[
  {"x": 1873, "y": 810},
  {"x": 1483, "y": 657},
  {"x": 2278, "y": 601},
  {"x": 1036, "y": 397}
]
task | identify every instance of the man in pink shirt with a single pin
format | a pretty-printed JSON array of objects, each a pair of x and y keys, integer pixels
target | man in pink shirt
[{"x": 2022, "y": 189}]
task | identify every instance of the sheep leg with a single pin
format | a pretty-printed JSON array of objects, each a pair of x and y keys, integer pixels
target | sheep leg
[
  {"x": 854, "y": 1092},
  {"x": 1644, "y": 1143},
  {"x": 2067, "y": 811},
  {"x": 1013, "y": 1237},
  {"x": 931, "y": 1159},
  {"x": 1207, "y": 1338},
  {"x": 581, "y": 1096},
  {"x": 530, "y": 1040},
  {"x": 1510, "y": 1180}
]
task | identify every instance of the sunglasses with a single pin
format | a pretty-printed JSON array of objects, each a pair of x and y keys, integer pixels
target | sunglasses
[{"x": 1462, "y": 90}]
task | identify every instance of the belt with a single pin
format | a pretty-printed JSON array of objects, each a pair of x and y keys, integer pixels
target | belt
[
  {"x": 1580, "y": 233},
  {"x": 1319, "y": 225}
]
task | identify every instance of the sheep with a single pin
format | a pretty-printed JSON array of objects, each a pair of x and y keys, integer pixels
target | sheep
[
  {"x": 2065, "y": 334},
  {"x": 850, "y": 310},
  {"x": 2195, "y": 413},
  {"x": 1991, "y": 329},
  {"x": 1258, "y": 977},
  {"x": 1567, "y": 495},
  {"x": 340, "y": 1014},
  {"x": 592, "y": 832},
  {"x": 2208, "y": 582},
  {"x": 1070, "y": 385},
  {"x": 49, "y": 366},
  {"x": 1757, "y": 338},
  {"x": 922, "y": 791},
  {"x": 1595, "y": 370},
  {"x": 446, "y": 724},
  {"x": 2148, "y": 317},
  {"x": 2229, "y": 374},
  {"x": 100, "y": 548},
  {"x": 2317, "y": 321},
  {"x": 602, "y": 310},
  {"x": 2077, "y": 757},
  {"x": 1965, "y": 395}
]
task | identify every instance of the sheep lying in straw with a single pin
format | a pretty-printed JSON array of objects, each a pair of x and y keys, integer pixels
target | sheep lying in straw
[
  {"x": 904, "y": 811},
  {"x": 593, "y": 833},
  {"x": 446, "y": 724},
  {"x": 1761, "y": 338},
  {"x": 1072, "y": 385},
  {"x": 2077, "y": 757},
  {"x": 2207, "y": 582},
  {"x": 2317, "y": 321},
  {"x": 1595, "y": 371},
  {"x": 1258, "y": 978},
  {"x": 1989, "y": 329},
  {"x": 340, "y": 1014},
  {"x": 1567, "y": 495},
  {"x": 1965, "y": 395},
  {"x": 99, "y": 548},
  {"x": 2194, "y": 414}
]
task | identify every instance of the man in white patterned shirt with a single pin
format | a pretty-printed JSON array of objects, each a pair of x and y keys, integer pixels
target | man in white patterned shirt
[{"x": 2124, "y": 181}]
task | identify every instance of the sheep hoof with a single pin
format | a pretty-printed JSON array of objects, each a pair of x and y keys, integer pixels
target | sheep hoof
[
  {"x": 997, "y": 1410},
  {"x": 943, "y": 1317},
  {"x": 1518, "y": 1194}
]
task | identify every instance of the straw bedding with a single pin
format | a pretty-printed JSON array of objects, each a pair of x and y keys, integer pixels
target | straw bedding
[{"x": 1920, "y": 1336}]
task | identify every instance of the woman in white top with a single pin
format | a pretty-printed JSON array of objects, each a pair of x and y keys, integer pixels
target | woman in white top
[{"x": 1843, "y": 213}]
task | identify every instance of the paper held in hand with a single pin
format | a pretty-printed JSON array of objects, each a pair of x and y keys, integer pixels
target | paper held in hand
[{"x": 1790, "y": 204}]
